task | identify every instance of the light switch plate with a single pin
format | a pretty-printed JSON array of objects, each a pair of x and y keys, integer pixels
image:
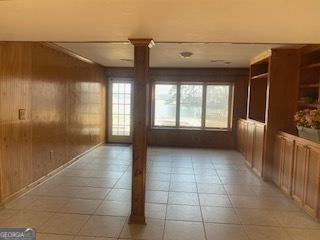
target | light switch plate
[{"x": 22, "y": 114}]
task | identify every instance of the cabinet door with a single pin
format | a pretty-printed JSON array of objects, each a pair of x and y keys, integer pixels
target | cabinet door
[
  {"x": 249, "y": 145},
  {"x": 245, "y": 138},
  {"x": 240, "y": 133},
  {"x": 287, "y": 165},
  {"x": 258, "y": 149},
  {"x": 312, "y": 190},
  {"x": 299, "y": 171},
  {"x": 277, "y": 158}
]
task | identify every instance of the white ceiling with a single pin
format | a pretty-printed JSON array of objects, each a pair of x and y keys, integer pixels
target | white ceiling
[
  {"x": 259, "y": 21},
  {"x": 167, "y": 54}
]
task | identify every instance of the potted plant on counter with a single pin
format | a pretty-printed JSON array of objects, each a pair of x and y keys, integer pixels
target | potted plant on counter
[{"x": 308, "y": 124}]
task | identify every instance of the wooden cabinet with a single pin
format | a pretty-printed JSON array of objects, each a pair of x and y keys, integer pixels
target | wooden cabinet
[
  {"x": 258, "y": 148},
  {"x": 241, "y": 135},
  {"x": 283, "y": 162},
  {"x": 249, "y": 143},
  {"x": 286, "y": 164},
  {"x": 312, "y": 181},
  {"x": 277, "y": 158},
  {"x": 251, "y": 139},
  {"x": 272, "y": 95},
  {"x": 297, "y": 170}
]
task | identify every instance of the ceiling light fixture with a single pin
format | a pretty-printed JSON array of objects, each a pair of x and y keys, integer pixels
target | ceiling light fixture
[{"x": 185, "y": 54}]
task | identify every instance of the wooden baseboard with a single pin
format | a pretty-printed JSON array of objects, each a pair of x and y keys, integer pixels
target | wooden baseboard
[{"x": 29, "y": 187}]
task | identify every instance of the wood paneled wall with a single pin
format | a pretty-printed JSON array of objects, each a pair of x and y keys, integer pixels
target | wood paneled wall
[
  {"x": 64, "y": 102},
  {"x": 196, "y": 138}
]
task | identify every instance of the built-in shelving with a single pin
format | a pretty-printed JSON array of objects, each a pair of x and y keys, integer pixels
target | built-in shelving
[
  {"x": 309, "y": 85},
  {"x": 309, "y": 105},
  {"x": 260, "y": 76},
  {"x": 272, "y": 95},
  {"x": 314, "y": 65},
  {"x": 259, "y": 73},
  {"x": 315, "y": 85}
]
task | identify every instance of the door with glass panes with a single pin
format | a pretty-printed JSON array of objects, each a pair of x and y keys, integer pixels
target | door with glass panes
[{"x": 120, "y": 110}]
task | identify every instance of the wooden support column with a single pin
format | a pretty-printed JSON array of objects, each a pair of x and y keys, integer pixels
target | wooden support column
[{"x": 140, "y": 124}]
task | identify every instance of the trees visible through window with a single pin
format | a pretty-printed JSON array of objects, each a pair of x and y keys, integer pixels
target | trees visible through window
[
  {"x": 165, "y": 105},
  {"x": 190, "y": 105},
  {"x": 198, "y": 105},
  {"x": 217, "y": 106}
]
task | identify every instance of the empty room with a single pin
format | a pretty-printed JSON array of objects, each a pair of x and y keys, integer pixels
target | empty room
[{"x": 159, "y": 120}]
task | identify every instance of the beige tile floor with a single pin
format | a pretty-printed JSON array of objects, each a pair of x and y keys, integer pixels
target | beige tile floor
[{"x": 192, "y": 194}]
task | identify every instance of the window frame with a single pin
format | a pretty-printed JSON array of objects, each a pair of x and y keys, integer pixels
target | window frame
[
  {"x": 154, "y": 104},
  {"x": 204, "y": 85}
]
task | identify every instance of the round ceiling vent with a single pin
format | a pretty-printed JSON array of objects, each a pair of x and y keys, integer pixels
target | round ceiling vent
[{"x": 185, "y": 54}]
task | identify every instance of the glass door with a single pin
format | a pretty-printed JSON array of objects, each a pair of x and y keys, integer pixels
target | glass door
[{"x": 120, "y": 111}]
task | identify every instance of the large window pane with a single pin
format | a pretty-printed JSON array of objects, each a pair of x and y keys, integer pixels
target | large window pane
[
  {"x": 190, "y": 105},
  {"x": 217, "y": 106},
  {"x": 165, "y": 105}
]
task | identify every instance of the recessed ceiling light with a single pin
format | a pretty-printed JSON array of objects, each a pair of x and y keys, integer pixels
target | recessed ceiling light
[
  {"x": 126, "y": 59},
  {"x": 185, "y": 54}
]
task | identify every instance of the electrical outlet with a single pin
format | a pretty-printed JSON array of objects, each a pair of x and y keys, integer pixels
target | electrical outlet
[{"x": 22, "y": 114}]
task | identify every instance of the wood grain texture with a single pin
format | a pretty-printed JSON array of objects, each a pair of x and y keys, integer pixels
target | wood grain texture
[
  {"x": 272, "y": 99},
  {"x": 312, "y": 182},
  {"x": 195, "y": 138},
  {"x": 278, "y": 156},
  {"x": 287, "y": 165},
  {"x": 64, "y": 99},
  {"x": 282, "y": 98},
  {"x": 140, "y": 125},
  {"x": 300, "y": 171},
  {"x": 258, "y": 148}
]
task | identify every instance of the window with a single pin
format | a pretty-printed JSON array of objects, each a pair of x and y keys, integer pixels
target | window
[
  {"x": 121, "y": 113},
  {"x": 217, "y": 106},
  {"x": 165, "y": 105},
  {"x": 198, "y": 105},
  {"x": 190, "y": 105}
]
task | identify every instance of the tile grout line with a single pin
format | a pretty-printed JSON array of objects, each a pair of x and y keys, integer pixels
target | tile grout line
[
  {"x": 165, "y": 216},
  {"x": 233, "y": 207},
  {"x": 78, "y": 234},
  {"x": 203, "y": 223}
]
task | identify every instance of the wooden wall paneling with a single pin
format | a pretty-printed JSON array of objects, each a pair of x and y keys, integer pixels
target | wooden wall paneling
[
  {"x": 312, "y": 181},
  {"x": 195, "y": 138},
  {"x": 16, "y": 138},
  {"x": 299, "y": 171},
  {"x": 64, "y": 99},
  {"x": 48, "y": 110}
]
